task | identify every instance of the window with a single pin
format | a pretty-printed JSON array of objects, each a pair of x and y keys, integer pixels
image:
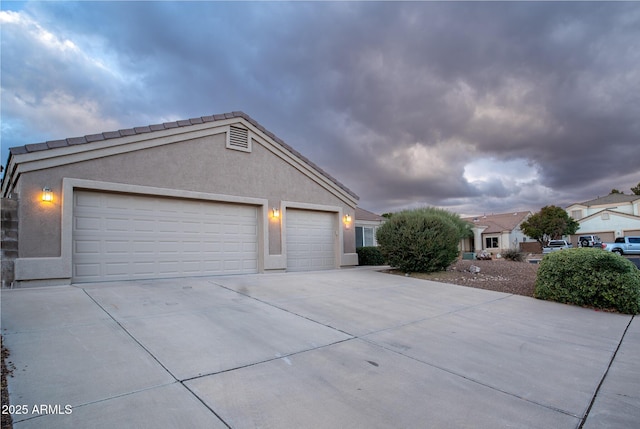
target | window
[
  {"x": 364, "y": 236},
  {"x": 576, "y": 214},
  {"x": 491, "y": 242}
]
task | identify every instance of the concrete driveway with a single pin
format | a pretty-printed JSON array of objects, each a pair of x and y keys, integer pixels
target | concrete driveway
[{"x": 349, "y": 348}]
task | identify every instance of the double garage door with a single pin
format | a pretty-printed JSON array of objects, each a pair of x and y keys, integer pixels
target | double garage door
[
  {"x": 120, "y": 237},
  {"x": 128, "y": 237}
]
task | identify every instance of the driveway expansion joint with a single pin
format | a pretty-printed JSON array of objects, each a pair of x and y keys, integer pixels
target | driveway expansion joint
[
  {"x": 131, "y": 336},
  {"x": 604, "y": 376}
]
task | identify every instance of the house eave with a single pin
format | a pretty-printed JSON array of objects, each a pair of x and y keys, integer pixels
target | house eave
[{"x": 56, "y": 153}]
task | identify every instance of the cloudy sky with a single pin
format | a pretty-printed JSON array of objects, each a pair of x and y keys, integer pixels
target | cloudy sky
[{"x": 471, "y": 106}]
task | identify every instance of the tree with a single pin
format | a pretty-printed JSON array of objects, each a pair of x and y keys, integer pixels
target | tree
[
  {"x": 422, "y": 240},
  {"x": 615, "y": 191},
  {"x": 636, "y": 189},
  {"x": 550, "y": 223}
]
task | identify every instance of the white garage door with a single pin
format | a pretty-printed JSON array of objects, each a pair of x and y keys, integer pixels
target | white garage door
[
  {"x": 118, "y": 237},
  {"x": 310, "y": 240}
]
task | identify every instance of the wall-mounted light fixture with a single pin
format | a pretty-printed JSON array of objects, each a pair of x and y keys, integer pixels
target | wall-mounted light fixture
[
  {"x": 275, "y": 213},
  {"x": 347, "y": 219},
  {"x": 47, "y": 195}
]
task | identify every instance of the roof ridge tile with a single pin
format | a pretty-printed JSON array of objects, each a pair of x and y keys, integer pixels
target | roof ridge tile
[
  {"x": 76, "y": 140},
  {"x": 36, "y": 147},
  {"x": 94, "y": 137},
  {"x": 53, "y": 144}
]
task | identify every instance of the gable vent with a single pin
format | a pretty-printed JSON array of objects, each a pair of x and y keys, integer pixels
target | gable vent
[{"x": 238, "y": 139}]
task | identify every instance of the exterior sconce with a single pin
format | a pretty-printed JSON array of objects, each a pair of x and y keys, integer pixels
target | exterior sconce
[
  {"x": 275, "y": 213},
  {"x": 47, "y": 195},
  {"x": 347, "y": 220}
]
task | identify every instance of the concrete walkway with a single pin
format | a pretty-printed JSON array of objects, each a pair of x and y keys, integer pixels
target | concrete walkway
[{"x": 350, "y": 348}]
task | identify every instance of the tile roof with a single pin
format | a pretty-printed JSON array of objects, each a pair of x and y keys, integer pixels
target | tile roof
[
  {"x": 610, "y": 199},
  {"x": 362, "y": 214},
  {"x": 54, "y": 144},
  {"x": 498, "y": 222}
]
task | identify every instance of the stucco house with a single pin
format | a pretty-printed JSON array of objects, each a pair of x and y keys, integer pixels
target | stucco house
[
  {"x": 495, "y": 233},
  {"x": 204, "y": 196},
  {"x": 608, "y": 217},
  {"x": 367, "y": 224}
]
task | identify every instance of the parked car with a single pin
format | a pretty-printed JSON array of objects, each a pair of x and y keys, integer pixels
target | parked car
[
  {"x": 589, "y": 241},
  {"x": 624, "y": 246},
  {"x": 555, "y": 245}
]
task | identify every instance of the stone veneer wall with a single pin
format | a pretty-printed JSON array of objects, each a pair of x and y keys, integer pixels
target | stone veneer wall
[{"x": 9, "y": 239}]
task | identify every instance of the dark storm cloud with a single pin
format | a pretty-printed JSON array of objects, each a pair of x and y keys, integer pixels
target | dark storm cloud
[{"x": 481, "y": 107}]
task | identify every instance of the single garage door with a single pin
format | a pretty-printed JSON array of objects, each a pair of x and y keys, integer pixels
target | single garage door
[
  {"x": 310, "y": 240},
  {"x": 121, "y": 237}
]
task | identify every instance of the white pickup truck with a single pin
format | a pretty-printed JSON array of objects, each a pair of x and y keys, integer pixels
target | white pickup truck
[
  {"x": 624, "y": 246},
  {"x": 555, "y": 245}
]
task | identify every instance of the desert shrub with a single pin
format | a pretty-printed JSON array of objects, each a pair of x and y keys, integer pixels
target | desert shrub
[
  {"x": 370, "y": 255},
  {"x": 421, "y": 240},
  {"x": 513, "y": 255},
  {"x": 589, "y": 277}
]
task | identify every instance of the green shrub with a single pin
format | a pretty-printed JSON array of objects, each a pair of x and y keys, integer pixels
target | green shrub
[
  {"x": 421, "y": 240},
  {"x": 370, "y": 255},
  {"x": 513, "y": 255},
  {"x": 589, "y": 277}
]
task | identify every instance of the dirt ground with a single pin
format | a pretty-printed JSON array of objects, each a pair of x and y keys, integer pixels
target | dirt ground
[
  {"x": 6, "y": 418},
  {"x": 497, "y": 274}
]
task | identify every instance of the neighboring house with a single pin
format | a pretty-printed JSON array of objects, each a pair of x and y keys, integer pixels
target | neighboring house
[
  {"x": 495, "y": 233},
  {"x": 367, "y": 224},
  {"x": 205, "y": 196},
  {"x": 614, "y": 215}
]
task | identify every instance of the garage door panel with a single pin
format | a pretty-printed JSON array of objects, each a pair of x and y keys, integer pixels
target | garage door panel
[
  {"x": 88, "y": 200},
  {"x": 87, "y": 223},
  {"x": 143, "y": 247},
  {"x": 141, "y": 225},
  {"x": 88, "y": 270},
  {"x": 113, "y": 269},
  {"x": 120, "y": 237},
  {"x": 87, "y": 246}
]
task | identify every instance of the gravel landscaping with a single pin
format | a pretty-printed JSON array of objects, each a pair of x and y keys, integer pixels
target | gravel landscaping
[{"x": 498, "y": 274}]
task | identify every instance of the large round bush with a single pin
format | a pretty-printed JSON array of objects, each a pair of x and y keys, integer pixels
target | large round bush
[
  {"x": 421, "y": 240},
  {"x": 589, "y": 277}
]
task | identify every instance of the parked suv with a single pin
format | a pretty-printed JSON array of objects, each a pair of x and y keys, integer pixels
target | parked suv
[
  {"x": 589, "y": 241},
  {"x": 555, "y": 245}
]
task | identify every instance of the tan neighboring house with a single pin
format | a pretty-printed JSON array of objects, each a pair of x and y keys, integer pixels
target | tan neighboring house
[
  {"x": 608, "y": 217},
  {"x": 204, "y": 196},
  {"x": 495, "y": 233},
  {"x": 367, "y": 224}
]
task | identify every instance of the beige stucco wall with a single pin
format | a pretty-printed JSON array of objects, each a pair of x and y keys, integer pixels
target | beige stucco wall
[{"x": 199, "y": 165}]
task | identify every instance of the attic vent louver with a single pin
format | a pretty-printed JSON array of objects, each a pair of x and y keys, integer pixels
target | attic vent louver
[{"x": 238, "y": 139}]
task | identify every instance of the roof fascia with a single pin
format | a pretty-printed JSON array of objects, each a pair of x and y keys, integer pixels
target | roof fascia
[
  {"x": 301, "y": 165},
  {"x": 611, "y": 212},
  {"x": 55, "y": 157}
]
